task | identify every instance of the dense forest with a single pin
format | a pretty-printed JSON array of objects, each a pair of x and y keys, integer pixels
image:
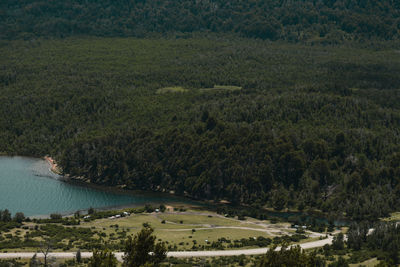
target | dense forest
[
  {"x": 283, "y": 104},
  {"x": 316, "y": 21},
  {"x": 254, "y": 122}
]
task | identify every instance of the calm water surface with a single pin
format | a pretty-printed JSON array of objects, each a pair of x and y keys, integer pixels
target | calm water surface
[{"x": 27, "y": 185}]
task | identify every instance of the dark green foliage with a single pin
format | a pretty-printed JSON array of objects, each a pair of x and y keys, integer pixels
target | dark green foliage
[
  {"x": 102, "y": 258},
  {"x": 308, "y": 129},
  {"x": 383, "y": 239},
  {"x": 8, "y": 222},
  {"x": 137, "y": 249},
  {"x": 34, "y": 261},
  {"x": 366, "y": 240},
  {"x": 162, "y": 208},
  {"x": 293, "y": 256},
  {"x": 84, "y": 237},
  {"x": 55, "y": 216},
  {"x": 314, "y": 21},
  {"x": 338, "y": 242},
  {"x": 11, "y": 262},
  {"x": 5, "y": 215},
  {"x": 78, "y": 256},
  {"x": 19, "y": 217},
  {"x": 91, "y": 211},
  {"x": 340, "y": 262}
]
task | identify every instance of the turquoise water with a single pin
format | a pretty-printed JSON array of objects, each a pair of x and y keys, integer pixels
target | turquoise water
[{"x": 27, "y": 185}]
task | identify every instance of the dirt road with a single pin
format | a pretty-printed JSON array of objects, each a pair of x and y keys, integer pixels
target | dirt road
[{"x": 177, "y": 254}]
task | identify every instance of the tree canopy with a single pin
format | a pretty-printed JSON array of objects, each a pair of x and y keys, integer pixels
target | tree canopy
[
  {"x": 259, "y": 123},
  {"x": 142, "y": 249},
  {"x": 300, "y": 20}
]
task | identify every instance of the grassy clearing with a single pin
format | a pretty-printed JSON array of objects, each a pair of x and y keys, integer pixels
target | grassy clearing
[
  {"x": 222, "y": 87},
  {"x": 176, "y": 229},
  {"x": 176, "y": 89},
  {"x": 200, "y": 220},
  {"x": 368, "y": 263},
  {"x": 395, "y": 216},
  {"x": 185, "y": 230},
  {"x": 176, "y": 233}
]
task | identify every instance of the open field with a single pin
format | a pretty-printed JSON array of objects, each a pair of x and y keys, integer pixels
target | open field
[
  {"x": 367, "y": 263},
  {"x": 200, "y": 219},
  {"x": 176, "y": 89},
  {"x": 395, "y": 216},
  {"x": 222, "y": 87},
  {"x": 182, "y": 230}
]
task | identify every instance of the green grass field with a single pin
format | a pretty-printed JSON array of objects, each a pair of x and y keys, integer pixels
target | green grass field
[
  {"x": 176, "y": 89},
  {"x": 222, "y": 87},
  {"x": 196, "y": 219},
  {"x": 368, "y": 263},
  {"x": 177, "y": 227},
  {"x": 395, "y": 216}
]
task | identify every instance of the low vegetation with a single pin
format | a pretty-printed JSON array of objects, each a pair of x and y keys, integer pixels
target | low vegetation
[
  {"x": 180, "y": 230},
  {"x": 103, "y": 232}
]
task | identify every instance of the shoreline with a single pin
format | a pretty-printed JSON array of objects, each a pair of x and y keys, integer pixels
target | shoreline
[
  {"x": 53, "y": 165},
  {"x": 139, "y": 197},
  {"x": 80, "y": 181},
  {"x": 172, "y": 198}
]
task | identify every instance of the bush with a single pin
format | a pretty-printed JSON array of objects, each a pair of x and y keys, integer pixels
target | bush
[{"x": 55, "y": 216}]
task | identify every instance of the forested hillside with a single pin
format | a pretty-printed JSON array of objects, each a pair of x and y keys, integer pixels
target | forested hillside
[
  {"x": 317, "y": 21},
  {"x": 311, "y": 127}
]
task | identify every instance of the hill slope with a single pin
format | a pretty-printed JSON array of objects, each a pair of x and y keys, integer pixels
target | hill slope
[
  {"x": 318, "y": 21},
  {"x": 310, "y": 127}
]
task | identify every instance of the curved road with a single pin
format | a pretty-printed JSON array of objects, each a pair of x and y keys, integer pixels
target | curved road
[{"x": 177, "y": 254}]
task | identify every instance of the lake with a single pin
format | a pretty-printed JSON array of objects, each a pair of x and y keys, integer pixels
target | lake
[{"x": 27, "y": 185}]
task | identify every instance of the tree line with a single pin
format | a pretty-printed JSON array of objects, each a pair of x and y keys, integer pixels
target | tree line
[{"x": 327, "y": 22}]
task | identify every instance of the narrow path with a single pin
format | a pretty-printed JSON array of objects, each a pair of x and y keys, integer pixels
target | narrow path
[
  {"x": 177, "y": 254},
  {"x": 220, "y": 227}
]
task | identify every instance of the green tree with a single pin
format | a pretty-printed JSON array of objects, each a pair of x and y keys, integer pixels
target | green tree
[
  {"x": 340, "y": 262},
  {"x": 142, "y": 249},
  {"x": 5, "y": 215},
  {"x": 102, "y": 259},
  {"x": 293, "y": 257},
  {"x": 78, "y": 256},
  {"x": 19, "y": 217},
  {"x": 338, "y": 242},
  {"x": 34, "y": 262}
]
